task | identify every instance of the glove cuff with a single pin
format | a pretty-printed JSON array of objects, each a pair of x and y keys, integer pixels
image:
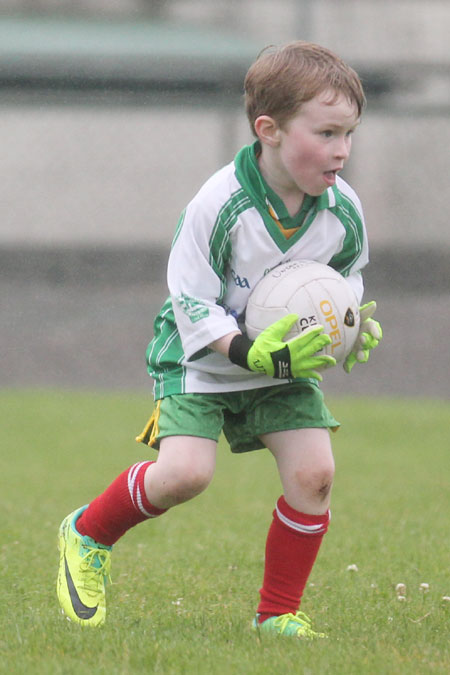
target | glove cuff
[
  {"x": 281, "y": 360},
  {"x": 239, "y": 348}
]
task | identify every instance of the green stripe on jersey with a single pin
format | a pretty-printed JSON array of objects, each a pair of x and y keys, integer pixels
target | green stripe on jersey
[
  {"x": 178, "y": 227},
  {"x": 219, "y": 242},
  {"x": 166, "y": 350},
  {"x": 352, "y": 248},
  {"x": 163, "y": 352}
]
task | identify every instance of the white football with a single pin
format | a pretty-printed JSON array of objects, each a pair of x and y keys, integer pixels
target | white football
[{"x": 317, "y": 293}]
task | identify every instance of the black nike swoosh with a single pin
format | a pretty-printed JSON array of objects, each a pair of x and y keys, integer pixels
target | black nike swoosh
[{"x": 81, "y": 610}]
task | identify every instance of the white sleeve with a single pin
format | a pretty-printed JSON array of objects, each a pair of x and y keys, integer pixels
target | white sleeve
[
  {"x": 354, "y": 269},
  {"x": 356, "y": 282},
  {"x": 354, "y": 254},
  {"x": 196, "y": 281}
]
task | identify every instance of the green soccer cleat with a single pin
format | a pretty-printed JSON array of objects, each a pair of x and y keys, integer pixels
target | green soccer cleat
[
  {"x": 84, "y": 571},
  {"x": 292, "y": 625}
]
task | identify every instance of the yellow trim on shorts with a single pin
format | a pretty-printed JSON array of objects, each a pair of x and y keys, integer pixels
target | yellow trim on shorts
[{"x": 151, "y": 430}]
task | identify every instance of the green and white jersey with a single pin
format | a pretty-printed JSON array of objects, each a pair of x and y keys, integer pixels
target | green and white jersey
[{"x": 232, "y": 232}]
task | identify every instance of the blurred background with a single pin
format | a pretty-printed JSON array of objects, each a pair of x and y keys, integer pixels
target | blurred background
[{"x": 113, "y": 113}]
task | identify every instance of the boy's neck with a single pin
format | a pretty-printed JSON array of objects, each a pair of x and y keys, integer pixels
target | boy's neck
[
  {"x": 291, "y": 196},
  {"x": 293, "y": 203}
]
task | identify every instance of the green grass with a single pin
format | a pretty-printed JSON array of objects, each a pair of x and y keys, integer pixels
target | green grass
[{"x": 186, "y": 585}]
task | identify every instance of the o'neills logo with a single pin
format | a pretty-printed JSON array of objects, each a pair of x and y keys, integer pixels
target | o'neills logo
[{"x": 349, "y": 318}]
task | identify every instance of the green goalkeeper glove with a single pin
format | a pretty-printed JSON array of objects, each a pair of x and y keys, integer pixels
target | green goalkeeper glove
[
  {"x": 269, "y": 355},
  {"x": 369, "y": 336}
]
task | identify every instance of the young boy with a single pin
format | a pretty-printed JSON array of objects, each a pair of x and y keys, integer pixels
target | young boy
[{"x": 281, "y": 199}]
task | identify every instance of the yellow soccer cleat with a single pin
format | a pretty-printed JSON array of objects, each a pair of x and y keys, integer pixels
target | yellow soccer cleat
[
  {"x": 84, "y": 571},
  {"x": 291, "y": 625}
]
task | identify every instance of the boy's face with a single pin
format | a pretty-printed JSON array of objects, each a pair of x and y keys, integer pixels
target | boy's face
[{"x": 312, "y": 147}]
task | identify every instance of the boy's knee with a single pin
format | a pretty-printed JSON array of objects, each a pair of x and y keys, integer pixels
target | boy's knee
[
  {"x": 183, "y": 469},
  {"x": 178, "y": 483},
  {"x": 317, "y": 483},
  {"x": 190, "y": 482}
]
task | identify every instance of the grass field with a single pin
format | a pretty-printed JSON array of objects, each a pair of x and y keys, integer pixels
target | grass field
[{"x": 186, "y": 585}]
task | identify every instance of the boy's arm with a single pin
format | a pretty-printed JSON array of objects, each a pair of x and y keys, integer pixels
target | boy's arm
[
  {"x": 270, "y": 355},
  {"x": 222, "y": 345},
  {"x": 355, "y": 280},
  {"x": 196, "y": 280}
]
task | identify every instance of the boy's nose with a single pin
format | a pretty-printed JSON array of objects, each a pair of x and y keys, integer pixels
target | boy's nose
[{"x": 342, "y": 148}]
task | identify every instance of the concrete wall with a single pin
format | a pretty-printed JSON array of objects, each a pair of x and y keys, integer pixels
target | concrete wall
[
  {"x": 377, "y": 30},
  {"x": 83, "y": 175}
]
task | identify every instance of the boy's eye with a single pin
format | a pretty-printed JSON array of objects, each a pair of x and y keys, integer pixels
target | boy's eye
[{"x": 328, "y": 133}]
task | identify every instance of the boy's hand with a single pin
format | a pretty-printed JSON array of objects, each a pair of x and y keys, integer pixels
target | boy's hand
[
  {"x": 370, "y": 334},
  {"x": 269, "y": 355}
]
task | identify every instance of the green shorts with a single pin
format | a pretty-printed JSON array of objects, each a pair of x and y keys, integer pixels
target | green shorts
[{"x": 242, "y": 415}]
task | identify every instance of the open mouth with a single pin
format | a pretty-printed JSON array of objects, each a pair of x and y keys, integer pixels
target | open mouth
[{"x": 330, "y": 177}]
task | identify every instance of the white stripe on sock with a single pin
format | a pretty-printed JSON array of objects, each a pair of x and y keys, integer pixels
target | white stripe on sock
[
  {"x": 132, "y": 476},
  {"x": 141, "y": 506},
  {"x": 300, "y": 527}
]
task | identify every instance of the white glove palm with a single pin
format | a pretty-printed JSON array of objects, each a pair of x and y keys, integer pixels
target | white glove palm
[{"x": 370, "y": 334}]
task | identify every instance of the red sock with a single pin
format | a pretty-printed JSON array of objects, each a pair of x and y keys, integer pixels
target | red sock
[
  {"x": 121, "y": 506},
  {"x": 292, "y": 546}
]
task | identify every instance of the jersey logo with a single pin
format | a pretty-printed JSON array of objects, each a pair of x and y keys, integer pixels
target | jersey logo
[
  {"x": 242, "y": 282},
  {"x": 195, "y": 309}
]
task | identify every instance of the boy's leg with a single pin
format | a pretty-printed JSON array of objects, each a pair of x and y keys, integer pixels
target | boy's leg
[
  {"x": 306, "y": 466},
  {"x": 121, "y": 506},
  {"x": 184, "y": 467}
]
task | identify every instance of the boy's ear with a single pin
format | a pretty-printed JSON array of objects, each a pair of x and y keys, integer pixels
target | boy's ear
[{"x": 267, "y": 130}]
